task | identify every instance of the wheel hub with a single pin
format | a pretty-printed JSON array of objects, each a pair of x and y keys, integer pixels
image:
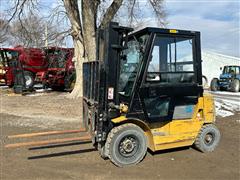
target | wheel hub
[
  {"x": 208, "y": 138},
  {"x": 128, "y": 146},
  {"x": 28, "y": 81}
]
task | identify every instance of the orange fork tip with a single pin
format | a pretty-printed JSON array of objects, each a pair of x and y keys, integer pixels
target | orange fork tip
[{"x": 46, "y": 133}]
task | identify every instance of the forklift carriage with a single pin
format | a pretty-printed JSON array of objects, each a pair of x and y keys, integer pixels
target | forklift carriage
[{"x": 144, "y": 92}]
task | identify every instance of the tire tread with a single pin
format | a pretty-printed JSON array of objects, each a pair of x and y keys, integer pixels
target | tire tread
[
  {"x": 198, "y": 140},
  {"x": 112, "y": 133}
]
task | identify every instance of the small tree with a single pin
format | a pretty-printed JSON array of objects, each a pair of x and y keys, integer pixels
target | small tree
[
  {"x": 3, "y": 33},
  {"x": 34, "y": 31}
]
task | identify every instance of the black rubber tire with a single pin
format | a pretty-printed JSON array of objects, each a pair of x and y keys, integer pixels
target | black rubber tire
[
  {"x": 214, "y": 84},
  {"x": 234, "y": 86},
  {"x": 11, "y": 85},
  {"x": 85, "y": 122},
  {"x": 116, "y": 137},
  {"x": 57, "y": 88},
  {"x": 69, "y": 82},
  {"x": 211, "y": 131},
  {"x": 29, "y": 79},
  {"x": 205, "y": 81},
  {"x": 102, "y": 152}
]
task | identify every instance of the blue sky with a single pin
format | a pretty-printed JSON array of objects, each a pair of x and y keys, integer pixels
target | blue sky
[{"x": 217, "y": 20}]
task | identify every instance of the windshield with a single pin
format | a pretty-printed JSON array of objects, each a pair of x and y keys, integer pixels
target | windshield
[
  {"x": 172, "y": 60},
  {"x": 57, "y": 58},
  {"x": 7, "y": 56},
  {"x": 130, "y": 63},
  {"x": 231, "y": 70}
]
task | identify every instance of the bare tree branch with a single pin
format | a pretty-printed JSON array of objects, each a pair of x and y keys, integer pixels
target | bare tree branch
[
  {"x": 3, "y": 33},
  {"x": 131, "y": 10},
  {"x": 72, "y": 10},
  {"x": 111, "y": 11},
  {"x": 157, "y": 6}
]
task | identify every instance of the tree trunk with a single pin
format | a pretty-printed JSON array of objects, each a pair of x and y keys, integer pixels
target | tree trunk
[
  {"x": 84, "y": 34},
  {"x": 72, "y": 10},
  {"x": 78, "y": 62},
  {"x": 89, "y": 15}
]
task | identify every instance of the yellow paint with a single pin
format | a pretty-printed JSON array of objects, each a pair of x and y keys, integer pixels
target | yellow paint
[
  {"x": 173, "y": 31},
  {"x": 175, "y": 133},
  {"x": 209, "y": 108},
  {"x": 143, "y": 125},
  {"x": 119, "y": 119}
]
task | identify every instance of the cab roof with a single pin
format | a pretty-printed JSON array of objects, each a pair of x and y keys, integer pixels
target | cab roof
[{"x": 149, "y": 30}]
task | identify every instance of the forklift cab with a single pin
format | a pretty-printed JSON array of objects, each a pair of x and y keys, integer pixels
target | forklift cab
[
  {"x": 161, "y": 69},
  {"x": 145, "y": 91}
]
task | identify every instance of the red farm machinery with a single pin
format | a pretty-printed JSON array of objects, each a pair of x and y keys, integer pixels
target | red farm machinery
[
  {"x": 19, "y": 66},
  {"x": 22, "y": 67},
  {"x": 60, "y": 73}
]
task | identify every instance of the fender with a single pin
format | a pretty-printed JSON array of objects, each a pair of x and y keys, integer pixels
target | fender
[{"x": 147, "y": 130}]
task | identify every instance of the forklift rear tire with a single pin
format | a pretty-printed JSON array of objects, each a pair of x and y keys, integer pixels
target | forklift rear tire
[
  {"x": 126, "y": 145},
  {"x": 69, "y": 82},
  {"x": 214, "y": 84},
  {"x": 208, "y": 138},
  {"x": 234, "y": 87}
]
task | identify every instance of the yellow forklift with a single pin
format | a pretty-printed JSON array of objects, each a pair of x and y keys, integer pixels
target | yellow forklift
[{"x": 144, "y": 92}]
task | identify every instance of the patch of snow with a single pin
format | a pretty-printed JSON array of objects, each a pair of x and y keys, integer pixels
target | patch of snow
[
  {"x": 4, "y": 87},
  {"x": 226, "y": 93},
  {"x": 226, "y": 103},
  {"x": 35, "y": 94},
  {"x": 225, "y": 107},
  {"x": 40, "y": 90}
]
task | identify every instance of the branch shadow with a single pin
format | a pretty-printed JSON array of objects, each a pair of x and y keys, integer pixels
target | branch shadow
[{"x": 61, "y": 154}]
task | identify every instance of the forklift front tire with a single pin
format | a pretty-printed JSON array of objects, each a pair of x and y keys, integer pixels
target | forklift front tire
[
  {"x": 126, "y": 145},
  {"x": 208, "y": 138}
]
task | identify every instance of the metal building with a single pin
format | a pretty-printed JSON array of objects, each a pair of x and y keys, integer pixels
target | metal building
[{"x": 212, "y": 62}]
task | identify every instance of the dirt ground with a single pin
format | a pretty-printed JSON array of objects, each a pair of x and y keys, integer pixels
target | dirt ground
[{"x": 50, "y": 111}]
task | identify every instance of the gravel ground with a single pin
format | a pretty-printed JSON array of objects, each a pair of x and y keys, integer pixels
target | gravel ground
[{"x": 50, "y": 111}]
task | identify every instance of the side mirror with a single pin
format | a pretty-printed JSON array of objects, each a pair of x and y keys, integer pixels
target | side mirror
[{"x": 220, "y": 68}]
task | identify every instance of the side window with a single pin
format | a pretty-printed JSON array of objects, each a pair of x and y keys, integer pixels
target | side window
[
  {"x": 237, "y": 70},
  {"x": 184, "y": 55},
  {"x": 154, "y": 64},
  {"x": 171, "y": 61}
]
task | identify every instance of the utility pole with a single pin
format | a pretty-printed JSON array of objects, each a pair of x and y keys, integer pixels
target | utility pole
[{"x": 46, "y": 35}]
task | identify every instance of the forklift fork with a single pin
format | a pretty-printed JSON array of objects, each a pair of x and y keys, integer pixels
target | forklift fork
[{"x": 86, "y": 137}]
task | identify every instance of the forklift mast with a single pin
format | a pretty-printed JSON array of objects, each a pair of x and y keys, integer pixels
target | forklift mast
[{"x": 100, "y": 80}]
